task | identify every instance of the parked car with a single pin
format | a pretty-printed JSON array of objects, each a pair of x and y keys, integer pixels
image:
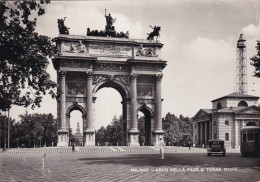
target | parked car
[{"x": 216, "y": 146}]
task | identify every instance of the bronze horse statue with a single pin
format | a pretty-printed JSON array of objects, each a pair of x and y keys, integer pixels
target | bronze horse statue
[
  {"x": 62, "y": 28},
  {"x": 154, "y": 33}
]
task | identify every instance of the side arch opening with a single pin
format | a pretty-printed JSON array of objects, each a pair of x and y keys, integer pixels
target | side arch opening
[{"x": 144, "y": 125}]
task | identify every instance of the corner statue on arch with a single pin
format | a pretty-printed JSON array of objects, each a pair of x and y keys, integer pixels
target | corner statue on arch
[{"x": 134, "y": 67}]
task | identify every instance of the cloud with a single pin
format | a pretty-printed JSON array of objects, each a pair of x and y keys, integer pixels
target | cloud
[
  {"x": 250, "y": 30},
  {"x": 203, "y": 69}
]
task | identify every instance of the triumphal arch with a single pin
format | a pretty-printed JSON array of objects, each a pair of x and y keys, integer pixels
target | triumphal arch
[{"x": 133, "y": 67}]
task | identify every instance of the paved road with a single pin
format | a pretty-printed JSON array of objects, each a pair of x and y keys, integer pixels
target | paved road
[{"x": 181, "y": 165}]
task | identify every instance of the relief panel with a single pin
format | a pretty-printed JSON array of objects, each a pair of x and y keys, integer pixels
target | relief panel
[
  {"x": 110, "y": 67},
  {"x": 143, "y": 91},
  {"x": 110, "y": 50},
  {"x": 74, "y": 47},
  {"x": 145, "y": 51},
  {"x": 76, "y": 88}
]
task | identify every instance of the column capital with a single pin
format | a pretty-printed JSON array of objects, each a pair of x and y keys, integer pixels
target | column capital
[
  {"x": 158, "y": 77},
  {"x": 62, "y": 74},
  {"x": 94, "y": 99},
  {"x": 126, "y": 100},
  {"x": 89, "y": 74},
  {"x": 133, "y": 76},
  {"x": 84, "y": 116}
]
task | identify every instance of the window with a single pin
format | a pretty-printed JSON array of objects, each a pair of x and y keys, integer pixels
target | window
[
  {"x": 214, "y": 123},
  {"x": 226, "y": 122},
  {"x": 250, "y": 137},
  {"x": 227, "y": 137},
  {"x": 219, "y": 106},
  {"x": 250, "y": 123},
  {"x": 243, "y": 103},
  {"x": 244, "y": 137},
  {"x": 215, "y": 135}
]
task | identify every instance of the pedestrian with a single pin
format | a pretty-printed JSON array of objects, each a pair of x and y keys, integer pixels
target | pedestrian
[
  {"x": 73, "y": 147},
  {"x": 162, "y": 147}
]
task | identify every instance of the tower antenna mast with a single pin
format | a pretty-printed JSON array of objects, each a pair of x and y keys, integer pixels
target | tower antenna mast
[{"x": 241, "y": 66}]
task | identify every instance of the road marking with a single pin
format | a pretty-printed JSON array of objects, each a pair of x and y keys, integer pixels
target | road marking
[
  {"x": 113, "y": 149},
  {"x": 119, "y": 148},
  {"x": 155, "y": 148}
]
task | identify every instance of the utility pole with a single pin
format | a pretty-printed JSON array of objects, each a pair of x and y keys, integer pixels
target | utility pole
[
  {"x": 8, "y": 125},
  {"x": 4, "y": 149}
]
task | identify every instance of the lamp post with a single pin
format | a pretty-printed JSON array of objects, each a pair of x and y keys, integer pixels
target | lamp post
[
  {"x": 29, "y": 142},
  {"x": 8, "y": 129},
  {"x": 4, "y": 149}
]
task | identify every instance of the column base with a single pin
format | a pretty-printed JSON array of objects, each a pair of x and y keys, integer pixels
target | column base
[
  {"x": 63, "y": 138},
  {"x": 89, "y": 138},
  {"x": 157, "y": 134},
  {"x": 133, "y": 138},
  {"x": 237, "y": 146}
]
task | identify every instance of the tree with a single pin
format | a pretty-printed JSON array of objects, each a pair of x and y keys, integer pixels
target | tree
[
  {"x": 73, "y": 138},
  {"x": 24, "y": 53},
  {"x": 36, "y": 129},
  {"x": 141, "y": 129},
  {"x": 178, "y": 131},
  {"x": 112, "y": 134},
  {"x": 101, "y": 136},
  {"x": 255, "y": 61},
  {"x": 4, "y": 130}
]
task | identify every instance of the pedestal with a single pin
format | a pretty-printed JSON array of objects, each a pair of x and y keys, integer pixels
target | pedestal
[
  {"x": 63, "y": 138},
  {"x": 89, "y": 138},
  {"x": 133, "y": 137},
  {"x": 157, "y": 134}
]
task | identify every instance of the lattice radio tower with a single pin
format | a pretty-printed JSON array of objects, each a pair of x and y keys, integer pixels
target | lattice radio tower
[{"x": 241, "y": 67}]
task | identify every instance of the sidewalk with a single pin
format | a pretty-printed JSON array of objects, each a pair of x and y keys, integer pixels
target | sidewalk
[{"x": 107, "y": 149}]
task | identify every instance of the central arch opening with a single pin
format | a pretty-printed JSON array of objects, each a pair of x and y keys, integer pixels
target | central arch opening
[{"x": 108, "y": 117}]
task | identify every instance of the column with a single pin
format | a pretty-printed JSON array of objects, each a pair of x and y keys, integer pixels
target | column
[
  {"x": 89, "y": 133},
  {"x": 89, "y": 102},
  {"x": 67, "y": 122},
  {"x": 210, "y": 130},
  {"x": 201, "y": 134},
  {"x": 133, "y": 132},
  {"x": 62, "y": 132},
  {"x": 133, "y": 102},
  {"x": 236, "y": 134},
  {"x": 158, "y": 109},
  {"x": 158, "y": 103},
  {"x": 63, "y": 101},
  {"x": 206, "y": 133}
]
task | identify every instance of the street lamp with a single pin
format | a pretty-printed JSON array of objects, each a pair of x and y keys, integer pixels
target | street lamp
[
  {"x": 4, "y": 149},
  {"x": 29, "y": 142}
]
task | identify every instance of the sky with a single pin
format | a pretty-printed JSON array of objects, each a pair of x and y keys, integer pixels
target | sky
[{"x": 199, "y": 40}]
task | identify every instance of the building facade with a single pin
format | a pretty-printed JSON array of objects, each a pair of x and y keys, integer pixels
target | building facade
[
  {"x": 79, "y": 135},
  {"x": 133, "y": 67},
  {"x": 224, "y": 120}
]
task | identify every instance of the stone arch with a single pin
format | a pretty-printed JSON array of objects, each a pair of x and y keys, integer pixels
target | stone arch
[
  {"x": 76, "y": 107},
  {"x": 117, "y": 85},
  {"x": 148, "y": 115},
  {"x": 145, "y": 108},
  {"x": 243, "y": 103}
]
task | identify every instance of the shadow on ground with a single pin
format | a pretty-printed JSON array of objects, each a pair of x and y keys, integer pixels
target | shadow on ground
[{"x": 177, "y": 159}]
